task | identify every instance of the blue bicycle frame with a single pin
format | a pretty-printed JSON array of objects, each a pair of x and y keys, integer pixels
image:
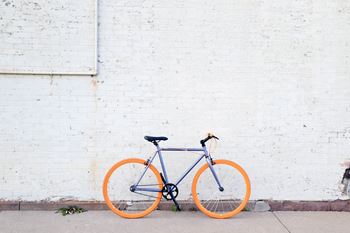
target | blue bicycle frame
[{"x": 205, "y": 155}]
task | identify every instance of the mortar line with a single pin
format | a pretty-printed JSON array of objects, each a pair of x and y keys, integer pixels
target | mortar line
[{"x": 280, "y": 221}]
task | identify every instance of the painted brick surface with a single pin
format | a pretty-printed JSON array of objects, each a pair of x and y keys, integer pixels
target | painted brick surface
[
  {"x": 45, "y": 36},
  {"x": 270, "y": 78}
]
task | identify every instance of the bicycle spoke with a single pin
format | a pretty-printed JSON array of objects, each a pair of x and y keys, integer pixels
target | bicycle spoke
[
  {"x": 215, "y": 202},
  {"x": 126, "y": 202}
]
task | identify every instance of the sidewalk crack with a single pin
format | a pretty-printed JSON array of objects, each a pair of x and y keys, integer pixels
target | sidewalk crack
[{"x": 285, "y": 227}]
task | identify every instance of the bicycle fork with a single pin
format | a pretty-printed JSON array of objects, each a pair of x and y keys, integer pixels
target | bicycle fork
[
  {"x": 211, "y": 166},
  {"x": 215, "y": 176}
]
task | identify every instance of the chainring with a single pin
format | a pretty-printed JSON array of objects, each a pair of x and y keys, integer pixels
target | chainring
[{"x": 168, "y": 189}]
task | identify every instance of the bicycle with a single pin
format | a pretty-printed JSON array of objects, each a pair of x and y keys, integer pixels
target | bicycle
[{"x": 133, "y": 188}]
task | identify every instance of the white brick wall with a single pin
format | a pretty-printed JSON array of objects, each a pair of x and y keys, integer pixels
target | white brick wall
[
  {"x": 48, "y": 37},
  {"x": 270, "y": 78}
]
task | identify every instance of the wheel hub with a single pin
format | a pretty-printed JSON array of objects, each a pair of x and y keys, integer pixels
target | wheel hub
[{"x": 132, "y": 188}]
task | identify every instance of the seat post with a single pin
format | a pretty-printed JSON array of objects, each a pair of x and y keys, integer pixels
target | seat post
[{"x": 155, "y": 143}]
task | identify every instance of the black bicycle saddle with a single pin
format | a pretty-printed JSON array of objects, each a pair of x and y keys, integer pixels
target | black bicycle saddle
[{"x": 153, "y": 139}]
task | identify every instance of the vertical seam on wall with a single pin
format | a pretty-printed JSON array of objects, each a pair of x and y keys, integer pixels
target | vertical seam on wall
[{"x": 96, "y": 37}]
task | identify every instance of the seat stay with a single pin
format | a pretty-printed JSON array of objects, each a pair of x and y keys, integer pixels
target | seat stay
[{"x": 148, "y": 162}]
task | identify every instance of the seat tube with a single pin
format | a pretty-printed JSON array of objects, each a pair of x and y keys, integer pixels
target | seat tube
[{"x": 159, "y": 150}]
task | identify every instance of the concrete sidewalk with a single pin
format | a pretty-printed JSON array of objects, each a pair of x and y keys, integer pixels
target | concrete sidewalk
[{"x": 173, "y": 222}]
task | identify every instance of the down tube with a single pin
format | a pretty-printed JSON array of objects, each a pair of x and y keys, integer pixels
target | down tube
[{"x": 188, "y": 170}]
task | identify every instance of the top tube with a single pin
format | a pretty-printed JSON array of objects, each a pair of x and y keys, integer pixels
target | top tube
[{"x": 182, "y": 149}]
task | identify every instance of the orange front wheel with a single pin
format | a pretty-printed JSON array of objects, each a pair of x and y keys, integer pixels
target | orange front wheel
[
  {"x": 222, "y": 202},
  {"x": 119, "y": 188}
]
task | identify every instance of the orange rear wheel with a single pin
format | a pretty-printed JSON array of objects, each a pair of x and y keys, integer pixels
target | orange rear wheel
[
  {"x": 117, "y": 186},
  {"x": 224, "y": 203}
]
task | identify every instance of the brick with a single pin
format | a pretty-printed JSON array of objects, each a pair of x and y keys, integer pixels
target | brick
[
  {"x": 340, "y": 205},
  {"x": 276, "y": 205},
  {"x": 9, "y": 205},
  {"x": 56, "y": 205},
  {"x": 316, "y": 206}
]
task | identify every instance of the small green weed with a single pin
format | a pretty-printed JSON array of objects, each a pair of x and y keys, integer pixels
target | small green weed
[
  {"x": 173, "y": 208},
  {"x": 70, "y": 210}
]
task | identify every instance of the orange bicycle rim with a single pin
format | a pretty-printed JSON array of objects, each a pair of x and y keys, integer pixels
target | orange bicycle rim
[
  {"x": 228, "y": 214},
  {"x": 109, "y": 202}
]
